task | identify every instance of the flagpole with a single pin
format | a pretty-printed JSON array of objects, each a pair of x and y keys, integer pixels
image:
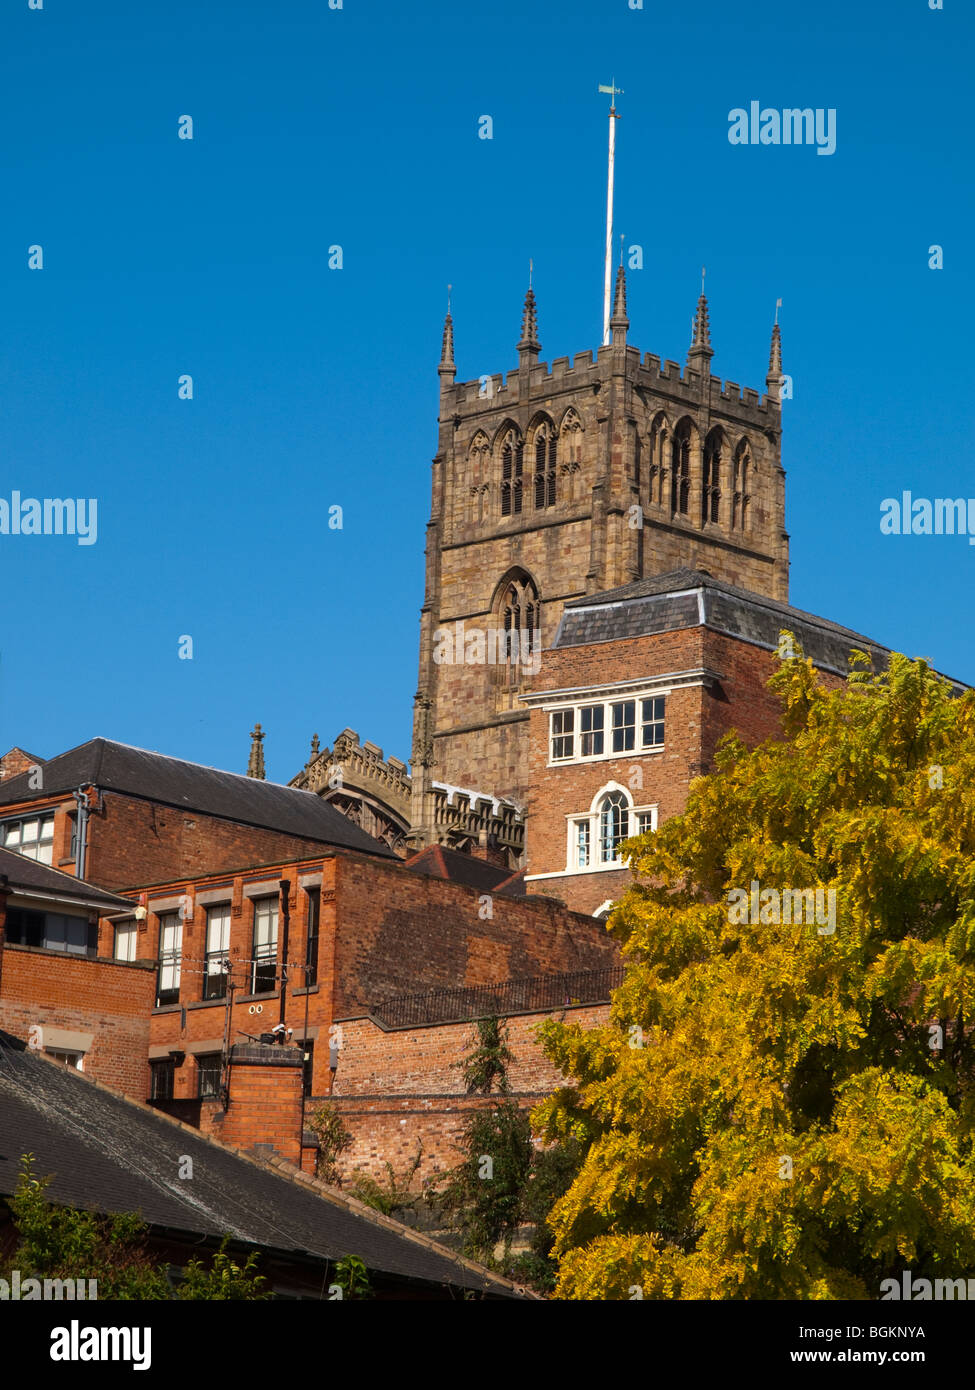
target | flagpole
[{"x": 613, "y": 91}]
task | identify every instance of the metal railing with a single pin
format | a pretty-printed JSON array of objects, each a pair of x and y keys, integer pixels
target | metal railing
[{"x": 530, "y": 994}]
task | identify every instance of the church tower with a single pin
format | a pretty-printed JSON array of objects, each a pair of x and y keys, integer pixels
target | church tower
[{"x": 558, "y": 480}]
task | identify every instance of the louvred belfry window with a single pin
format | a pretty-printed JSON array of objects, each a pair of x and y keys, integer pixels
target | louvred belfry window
[
  {"x": 544, "y": 469},
  {"x": 711, "y": 486},
  {"x": 512, "y": 462},
  {"x": 680, "y": 472}
]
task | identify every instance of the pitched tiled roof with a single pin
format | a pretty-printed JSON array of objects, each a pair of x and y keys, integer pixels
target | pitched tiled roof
[
  {"x": 39, "y": 878},
  {"x": 440, "y": 862},
  {"x": 190, "y": 786},
  {"x": 111, "y": 1154},
  {"x": 691, "y": 598}
]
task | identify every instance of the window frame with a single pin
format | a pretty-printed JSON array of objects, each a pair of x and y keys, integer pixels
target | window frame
[
  {"x": 590, "y": 825},
  {"x": 31, "y": 927},
  {"x": 130, "y": 928},
  {"x": 210, "y": 990},
  {"x": 312, "y": 930},
  {"x": 41, "y": 819},
  {"x": 260, "y": 961},
  {"x": 604, "y": 728},
  {"x": 63, "y": 1054},
  {"x": 162, "y": 1067},
  {"x": 561, "y": 735},
  {"x": 215, "y": 1059},
  {"x": 169, "y": 958}
]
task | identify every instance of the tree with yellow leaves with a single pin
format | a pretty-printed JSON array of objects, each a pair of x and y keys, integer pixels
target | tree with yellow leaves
[{"x": 782, "y": 1105}]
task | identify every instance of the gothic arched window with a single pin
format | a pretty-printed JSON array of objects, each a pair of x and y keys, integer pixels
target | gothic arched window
[
  {"x": 740, "y": 480},
  {"x": 545, "y": 467},
  {"x": 711, "y": 482},
  {"x": 570, "y": 452},
  {"x": 478, "y": 475},
  {"x": 519, "y": 612},
  {"x": 657, "y": 471},
  {"x": 512, "y": 460},
  {"x": 614, "y": 824},
  {"x": 680, "y": 469}
]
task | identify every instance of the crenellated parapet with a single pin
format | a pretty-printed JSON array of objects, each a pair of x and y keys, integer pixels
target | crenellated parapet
[{"x": 376, "y": 793}]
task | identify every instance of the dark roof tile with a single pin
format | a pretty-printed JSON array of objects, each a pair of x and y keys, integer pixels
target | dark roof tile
[
  {"x": 155, "y": 777},
  {"x": 690, "y": 598},
  {"x": 40, "y": 878},
  {"x": 468, "y": 869},
  {"x": 111, "y": 1154}
]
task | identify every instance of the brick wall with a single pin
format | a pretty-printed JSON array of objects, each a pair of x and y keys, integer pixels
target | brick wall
[
  {"x": 384, "y": 930},
  {"x": 264, "y": 1112},
  {"x": 132, "y": 841},
  {"x": 421, "y": 1061},
  {"x": 397, "y": 932},
  {"x": 108, "y": 999},
  {"x": 135, "y": 842},
  {"x": 399, "y": 1088}
]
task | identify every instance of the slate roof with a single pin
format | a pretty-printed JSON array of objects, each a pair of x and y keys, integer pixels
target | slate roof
[
  {"x": 119, "y": 767},
  {"x": 40, "y": 878},
  {"x": 440, "y": 862},
  {"x": 112, "y": 1154},
  {"x": 691, "y": 598}
]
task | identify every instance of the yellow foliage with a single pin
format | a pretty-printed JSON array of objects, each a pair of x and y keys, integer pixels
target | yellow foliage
[{"x": 788, "y": 1129}]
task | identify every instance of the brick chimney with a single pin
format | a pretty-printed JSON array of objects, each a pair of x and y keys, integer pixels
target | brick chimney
[
  {"x": 16, "y": 761},
  {"x": 263, "y": 1114}
]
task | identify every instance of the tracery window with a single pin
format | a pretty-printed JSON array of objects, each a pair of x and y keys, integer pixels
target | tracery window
[
  {"x": 741, "y": 468},
  {"x": 512, "y": 464},
  {"x": 544, "y": 468},
  {"x": 680, "y": 469},
  {"x": 711, "y": 482},
  {"x": 520, "y": 611}
]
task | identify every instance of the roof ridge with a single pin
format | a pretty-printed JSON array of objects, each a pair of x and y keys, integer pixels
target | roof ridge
[{"x": 205, "y": 767}]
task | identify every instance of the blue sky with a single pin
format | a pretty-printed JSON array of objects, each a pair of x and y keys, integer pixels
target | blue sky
[{"x": 312, "y": 387}]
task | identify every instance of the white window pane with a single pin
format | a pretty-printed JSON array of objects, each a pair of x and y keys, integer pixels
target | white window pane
[
  {"x": 266, "y": 924},
  {"x": 125, "y": 943},
  {"x": 218, "y": 929}
]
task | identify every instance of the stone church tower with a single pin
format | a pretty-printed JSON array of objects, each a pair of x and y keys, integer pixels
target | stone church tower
[{"x": 570, "y": 478}]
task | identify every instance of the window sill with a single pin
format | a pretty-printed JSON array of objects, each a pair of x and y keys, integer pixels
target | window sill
[
  {"x": 608, "y": 757},
  {"x": 579, "y": 873}
]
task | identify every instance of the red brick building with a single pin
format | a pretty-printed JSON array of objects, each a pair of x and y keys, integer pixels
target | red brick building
[
  {"x": 252, "y": 910},
  {"x": 120, "y": 816},
  {"x": 637, "y": 689},
  {"x": 57, "y": 993},
  {"x": 308, "y": 943}
]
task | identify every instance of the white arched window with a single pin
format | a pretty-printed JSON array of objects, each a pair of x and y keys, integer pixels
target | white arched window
[
  {"x": 614, "y": 824},
  {"x": 594, "y": 837}
]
